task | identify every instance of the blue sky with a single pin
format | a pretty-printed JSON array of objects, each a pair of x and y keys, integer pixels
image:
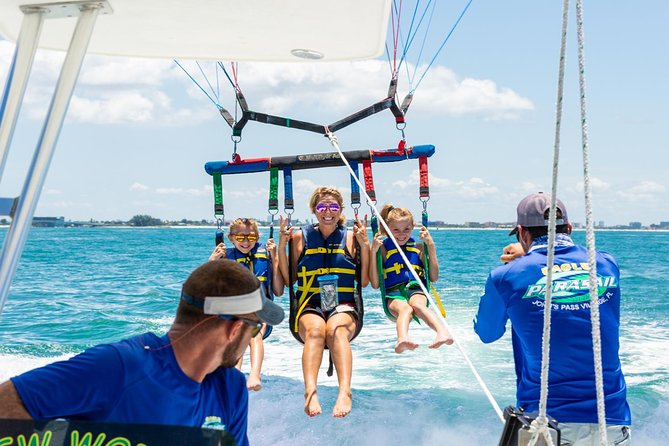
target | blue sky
[{"x": 138, "y": 131}]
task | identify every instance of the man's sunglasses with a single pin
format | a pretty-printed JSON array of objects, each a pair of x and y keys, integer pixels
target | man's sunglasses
[
  {"x": 241, "y": 237},
  {"x": 256, "y": 325},
  {"x": 322, "y": 207}
]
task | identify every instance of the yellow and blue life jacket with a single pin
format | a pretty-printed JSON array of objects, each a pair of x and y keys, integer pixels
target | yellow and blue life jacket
[
  {"x": 259, "y": 262},
  {"x": 321, "y": 257},
  {"x": 395, "y": 271}
]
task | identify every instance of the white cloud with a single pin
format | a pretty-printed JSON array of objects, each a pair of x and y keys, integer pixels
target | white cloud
[
  {"x": 475, "y": 188},
  {"x": 644, "y": 191},
  {"x": 117, "y": 71},
  {"x": 179, "y": 191},
  {"x": 596, "y": 184},
  {"x": 648, "y": 187},
  {"x": 414, "y": 180},
  {"x": 139, "y": 186},
  {"x": 247, "y": 193},
  {"x": 446, "y": 93},
  {"x": 113, "y": 90},
  {"x": 528, "y": 187},
  {"x": 173, "y": 191}
]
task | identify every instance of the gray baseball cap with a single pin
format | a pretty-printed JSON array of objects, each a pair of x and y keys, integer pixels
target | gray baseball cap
[{"x": 531, "y": 211}]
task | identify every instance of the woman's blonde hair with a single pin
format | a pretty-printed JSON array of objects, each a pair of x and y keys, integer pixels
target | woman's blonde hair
[
  {"x": 320, "y": 192},
  {"x": 250, "y": 222},
  {"x": 389, "y": 213}
]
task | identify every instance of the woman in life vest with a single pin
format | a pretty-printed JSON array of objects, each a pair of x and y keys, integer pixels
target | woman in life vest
[
  {"x": 324, "y": 260},
  {"x": 404, "y": 297},
  {"x": 262, "y": 261}
]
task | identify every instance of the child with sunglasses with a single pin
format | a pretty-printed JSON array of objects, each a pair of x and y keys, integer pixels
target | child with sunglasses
[
  {"x": 262, "y": 260},
  {"x": 404, "y": 297}
]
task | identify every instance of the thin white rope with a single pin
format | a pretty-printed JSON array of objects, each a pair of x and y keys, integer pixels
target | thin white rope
[
  {"x": 590, "y": 234},
  {"x": 486, "y": 391}
]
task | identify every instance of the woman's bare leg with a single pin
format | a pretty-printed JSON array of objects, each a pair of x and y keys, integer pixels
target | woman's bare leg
[
  {"x": 340, "y": 329},
  {"x": 312, "y": 331}
]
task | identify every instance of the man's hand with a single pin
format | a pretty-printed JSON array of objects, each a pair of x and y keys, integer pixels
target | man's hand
[{"x": 511, "y": 252}]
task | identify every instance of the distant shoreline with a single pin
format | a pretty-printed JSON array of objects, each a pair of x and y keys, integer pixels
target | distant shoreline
[{"x": 438, "y": 228}]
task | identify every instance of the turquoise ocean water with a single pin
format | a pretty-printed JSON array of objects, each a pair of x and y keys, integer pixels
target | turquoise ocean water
[{"x": 79, "y": 287}]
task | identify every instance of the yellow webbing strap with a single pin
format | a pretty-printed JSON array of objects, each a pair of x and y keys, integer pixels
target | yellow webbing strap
[{"x": 303, "y": 300}]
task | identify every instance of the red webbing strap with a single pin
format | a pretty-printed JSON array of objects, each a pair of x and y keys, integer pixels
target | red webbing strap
[
  {"x": 424, "y": 186},
  {"x": 369, "y": 179}
]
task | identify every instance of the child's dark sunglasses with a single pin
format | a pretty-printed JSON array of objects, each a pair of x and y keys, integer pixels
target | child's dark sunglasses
[
  {"x": 322, "y": 207},
  {"x": 241, "y": 237},
  {"x": 256, "y": 325}
]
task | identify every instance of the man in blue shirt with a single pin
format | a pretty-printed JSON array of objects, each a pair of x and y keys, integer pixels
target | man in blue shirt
[
  {"x": 517, "y": 290},
  {"x": 186, "y": 377}
]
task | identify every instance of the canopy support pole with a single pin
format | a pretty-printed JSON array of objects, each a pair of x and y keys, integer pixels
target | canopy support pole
[
  {"x": 17, "y": 78},
  {"x": 18, "y": 231}
]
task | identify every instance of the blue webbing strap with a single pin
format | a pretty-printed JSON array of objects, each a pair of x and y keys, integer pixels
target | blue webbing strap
[
  {"x": 288, "y": 203},
  {"x": 355, "y": 189}
]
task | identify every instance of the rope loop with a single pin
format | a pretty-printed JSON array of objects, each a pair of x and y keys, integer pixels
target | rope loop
[{"x": 219, "y": 222}]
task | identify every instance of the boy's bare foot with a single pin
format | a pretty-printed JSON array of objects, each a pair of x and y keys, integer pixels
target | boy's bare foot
[
  {"x": 311, "y": 405},
  {"x": 253, "y": 383},
  {"x": 441, "y": 340},
  {"x": 343, "y": 404},
  {"x": 405, "y": 344}
]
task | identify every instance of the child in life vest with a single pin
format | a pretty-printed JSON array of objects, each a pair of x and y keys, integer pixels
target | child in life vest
[
  {"x": 404, "y": 298},
  {"x": 262, "y": 260}
]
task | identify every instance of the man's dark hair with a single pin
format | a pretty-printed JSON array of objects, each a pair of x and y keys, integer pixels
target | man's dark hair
[
  {"x": 215, "y": 278},
  {"x": 539, "y": 231}
]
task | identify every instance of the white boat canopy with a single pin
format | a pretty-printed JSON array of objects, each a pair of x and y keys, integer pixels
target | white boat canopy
[{"x": 268, "y": 30}]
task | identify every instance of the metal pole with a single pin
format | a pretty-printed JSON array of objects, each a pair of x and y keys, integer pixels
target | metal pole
[
  {"x": 17, "y": 78},
  {"x": 18, "y": 231}
]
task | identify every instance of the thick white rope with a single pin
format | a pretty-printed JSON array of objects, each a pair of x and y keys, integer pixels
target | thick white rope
[
  {"x": 486, "y": 391},
  {"x": 590, "y": 235},
  {"x": 540, "y": 424}
]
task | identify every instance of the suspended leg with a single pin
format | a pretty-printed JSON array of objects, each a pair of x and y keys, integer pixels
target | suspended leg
[{"x": 312, "y": 331}]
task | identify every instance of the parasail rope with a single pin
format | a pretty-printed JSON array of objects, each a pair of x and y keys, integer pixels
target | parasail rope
[{"x": 372, "y": 205}]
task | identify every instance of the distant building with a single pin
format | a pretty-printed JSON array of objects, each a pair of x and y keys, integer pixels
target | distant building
[
  {"x": 49, "y": 222},
  {"x": 635, "y": 225},
  {"x": 664, "y": 225}
]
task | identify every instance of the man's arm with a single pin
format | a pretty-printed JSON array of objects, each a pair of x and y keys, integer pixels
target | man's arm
[
  {"x": 490, "y": 320},
  {"x": 11, "y": 405}
]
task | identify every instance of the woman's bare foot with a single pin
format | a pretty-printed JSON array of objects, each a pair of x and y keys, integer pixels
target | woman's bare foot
[
  {"x": 311, "y": 405},
  {"x": 253, "y": 383},
  {"x": 405, "y": 344},
  {"x": 343, "y": 404},
  {"x": 442, "y": 339}
]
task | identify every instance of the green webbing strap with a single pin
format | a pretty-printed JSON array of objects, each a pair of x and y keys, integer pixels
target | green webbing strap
[
  {"x": 379, "y": 259},
  {"x": 273, "y": 204},
  {"x": 426, "y": 268},
  {"x": 218, "y": 195}
]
